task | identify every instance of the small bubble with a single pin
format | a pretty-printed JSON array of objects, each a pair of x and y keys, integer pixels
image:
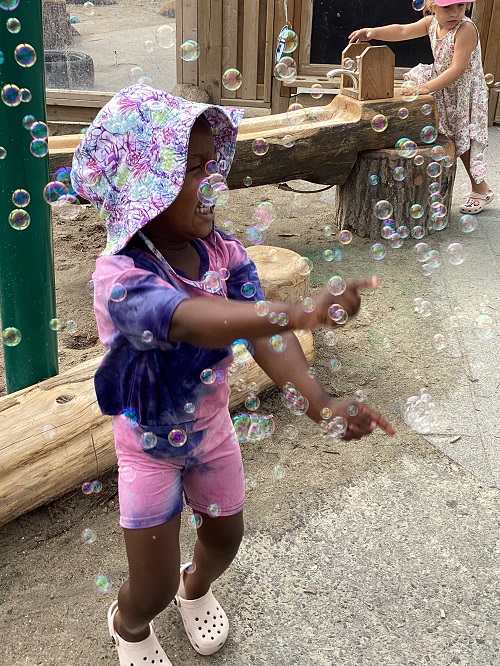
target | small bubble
[
  {"x": 379, "y": 123},
  {"x": 177, "y": 437},
  {"x": 213, "y": 510},
  {"x": 88, "y": 536},
  {"x": 89, "y": 8},
  {"x": 190, "y": 50},
  {"x": 165, "y": 36},
  {"x": 149, "y": 441},
  {"x": 11, "y": 336},
  {"x": 232, "y": 79},
  {"x": 195, "y": 521},
  {"x": 345, "y": 237},
  {"x": 278, "y": 472},
  {"x": 49, "y": 432},
  {"x": 102, "y": 582},
  {"x": 118, "y": 293}
]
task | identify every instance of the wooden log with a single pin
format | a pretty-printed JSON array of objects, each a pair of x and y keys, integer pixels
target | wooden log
[
  {"x": 54, "y": 437},
  {"x": 335, "y": 132},
  {"x": 57, "y": 29},
  {"x": 356, "y": 199}
]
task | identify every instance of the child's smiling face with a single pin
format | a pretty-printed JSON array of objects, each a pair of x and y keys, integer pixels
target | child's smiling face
[
  {"x": 186, "y": 219},
  {"x": 448, "y": 17}
]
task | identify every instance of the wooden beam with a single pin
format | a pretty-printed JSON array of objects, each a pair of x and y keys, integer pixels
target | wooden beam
[{"x": 250, "y": 29}]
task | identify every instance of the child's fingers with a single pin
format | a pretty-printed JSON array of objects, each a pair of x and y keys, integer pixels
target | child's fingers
[
  {"x": 373, "y": 416},
  {"x": 371, "y": 282}
]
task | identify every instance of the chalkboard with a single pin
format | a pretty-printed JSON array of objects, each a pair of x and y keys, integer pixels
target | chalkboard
[{"x": 334, "y": 20}]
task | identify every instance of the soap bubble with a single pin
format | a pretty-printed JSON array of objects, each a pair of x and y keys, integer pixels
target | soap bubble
[
  {"x": 177, "y": 437},
  {"x": 468, "y": 223},
  {"x": 165, "y": 36},
  {"x": 428, "y": 134},
  {"x": 13, "y": 25},
  {"x": 437, "y": 152},
  {"x": 489, "y": 79},
  {"x": 102, "y": 582},
  {"x": 422, "y": 307},
  {"x": 345, "y": 237},
  {"x": 426, "y": 109},
  {"x": 248, "y": 290},
  {"x": 21, "y": 198},
  {"x": 232, "y": 79},
  {"x": 28, "y": 121},
  {"x": 39, "y": 148},
  {"x": 383, "y": 209},
  {"x": 420, "y": 413},
  {"x": 303, "y": 265},
  {"x": 261, "y": 308},
  {"x": 418, "y": 160},
  {"x": 417, "y": 5},
  {"x": 55, "y": 324},
  {"x": 288, "y": 141},
  {"x": 190, "y": 50},
  {"x": 277, "y": 343},
  {"x": 247, "y": 181},
  {"x": 149, "y": 441},
  {"x": 88, "y": 536},
  {"x": 422, "y": 250},
  {"x": 403, "y": 113},
  {"x": 337, "y": 314},
  {"x": 207, "y": 376},
  {"x": 455, "y": 252},
  {"x": 260, "y": 146},
  {"x": 378, "y": 251},
  {"x": 11, "y": 336},
  {"x": 409, "y": 90},
  {"x": 416, "y": 211},
  {"x": 395, "y": 241},
  {"x": 336, "y": 285},
  {"x": 483, "y": 325},
  {"x": 25, "y": 55},
  {"x": 317, "y": 91},
  {"x": 329, "y": 338},
  {"x": 53, "y": 191},
  {"x": 399, "y": 174},
  {"x": 9, "y": 5},
  {"x": 328, "y": 231},
  {"x": 335, "y": 364},
  {"x": 118, "y": 293},
  {"x": 19, "y": 219},
  {"x": 439, "y": 341},
  {"x": 418, "y": 231},
  {"x": 373, "y": 179},
  {"x": 195, "y": 520},
  {"x": 405, "y": 147},
  {"x": 308, "y": 304},
  {"x": 291, "y": 41},
  {"x": 328, "y": 255},
  {"x": 11, "y": 95},
  {"x": 285, "y": 69},
  {"x": 379, "y": 123},
  {"x": 127, "y": 473},
  {"x": 3, "y": 153},
  {"x": 213, "y": 510},
  {"x": 295, "y": 113},
  {"x": 189, "y": 408},
  {"x": 434, "y": 169},
  {"x": 136, "y": 73},
  {"x": 149, "y": 46}
]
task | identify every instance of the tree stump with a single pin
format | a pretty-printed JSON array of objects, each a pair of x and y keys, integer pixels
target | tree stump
[
  {"x": 373, "y": 178},
  {"x": 57, "y": 29}
]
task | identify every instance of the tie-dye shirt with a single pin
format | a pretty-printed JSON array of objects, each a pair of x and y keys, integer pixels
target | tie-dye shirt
[{"x": 142, "y": 373}]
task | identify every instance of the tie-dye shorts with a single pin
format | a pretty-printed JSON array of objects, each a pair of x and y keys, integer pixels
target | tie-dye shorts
[{"x": 155, "y": 475}]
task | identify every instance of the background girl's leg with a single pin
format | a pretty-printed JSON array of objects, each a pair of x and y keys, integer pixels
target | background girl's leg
[
  {"x": 154, "y": 562},
  {"x": 479, "y": 188},
  {"x": 215, "y": 548}
]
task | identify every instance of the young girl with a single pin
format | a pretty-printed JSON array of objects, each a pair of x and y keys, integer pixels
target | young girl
[
  {"x": 456, "y": 78},
  {"x": 171, "y": 295}
]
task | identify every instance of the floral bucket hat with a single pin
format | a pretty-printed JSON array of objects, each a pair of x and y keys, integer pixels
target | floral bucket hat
[{"x": 131, "y": 162}]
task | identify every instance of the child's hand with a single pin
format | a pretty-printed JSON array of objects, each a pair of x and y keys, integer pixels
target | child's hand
[
  {"x": 361, "y": 419},
  {"x": 350, "y": 300},
  {"x": 363, "y": 35}
]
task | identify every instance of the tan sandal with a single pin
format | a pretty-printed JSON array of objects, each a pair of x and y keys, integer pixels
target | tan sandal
[
  {"x": 204, "y": 619},
  {"x": 148, "y": 651},
  {"x": 475, "y": 202}
]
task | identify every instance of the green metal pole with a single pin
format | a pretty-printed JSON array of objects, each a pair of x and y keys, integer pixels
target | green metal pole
[{"x": 27, "y": 286}]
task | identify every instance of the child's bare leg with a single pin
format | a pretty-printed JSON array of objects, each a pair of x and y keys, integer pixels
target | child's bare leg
[
  {"x": 479, "y": 188},
  {"x": 154, "y": 563},
  {"x": 215, "y": 548}
]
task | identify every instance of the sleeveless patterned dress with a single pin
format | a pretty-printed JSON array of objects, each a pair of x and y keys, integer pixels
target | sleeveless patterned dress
[{"x": 462, "y": 106}]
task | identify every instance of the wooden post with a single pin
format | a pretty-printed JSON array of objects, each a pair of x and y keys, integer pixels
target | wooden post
[{"x": 376, "y": 72}]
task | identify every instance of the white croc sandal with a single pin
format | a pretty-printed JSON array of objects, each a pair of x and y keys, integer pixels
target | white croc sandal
[
  {"x": 475, "y": 202},
  {"x": 204, "y": 619},
  {"x": 149, "y": 651}
]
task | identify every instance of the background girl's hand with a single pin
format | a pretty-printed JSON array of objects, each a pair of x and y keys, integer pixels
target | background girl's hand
[
  {"x": 362, "y": 35},
  {"x": 423, "y": 90},
  {"x": 361, "y": 420}
]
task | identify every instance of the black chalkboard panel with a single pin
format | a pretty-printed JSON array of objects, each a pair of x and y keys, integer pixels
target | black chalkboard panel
[{"x": 334, "y": 20}]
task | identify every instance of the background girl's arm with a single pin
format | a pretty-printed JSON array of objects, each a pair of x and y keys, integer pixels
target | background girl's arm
[
  {"x": 392, "y": 33},
  {"x": 215, "y": 323},
  {"x": 465, "y": 43},
  {"x": 292, "y": 366}
]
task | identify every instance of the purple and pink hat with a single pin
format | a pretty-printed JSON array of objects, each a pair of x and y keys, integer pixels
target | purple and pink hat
[{"x": 131, "y": 162}]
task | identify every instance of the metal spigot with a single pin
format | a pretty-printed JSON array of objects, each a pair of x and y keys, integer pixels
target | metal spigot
[{"x": 353, "y": 73}]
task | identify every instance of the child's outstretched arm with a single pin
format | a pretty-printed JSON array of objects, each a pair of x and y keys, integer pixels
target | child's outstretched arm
[
  {"x": 465, "y": 43},
  {"x": 392, "y": 33},
  {"x": 215, "y": 323},
  {"x": 292, "y": 366}
]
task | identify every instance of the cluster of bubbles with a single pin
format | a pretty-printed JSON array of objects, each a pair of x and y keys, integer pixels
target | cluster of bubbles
[
  {"x": 253, "y": 427},
  {"x": 213, "y": 189},
  {"x": 90, "y": 487},
  {"x": 421, "y": 414}
]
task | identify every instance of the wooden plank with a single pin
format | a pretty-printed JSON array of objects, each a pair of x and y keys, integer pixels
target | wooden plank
[
  {"x": 179, "y": 11},
  {"x": 210, "y": 39},
  {"x": 254, "y": 103},
  {"x": 269, "y": 53},
  {"x": 190, "y": 20},
  {"x": 492, "y": 47},
  {"x": 306, "y": 16},
  {"x": 250, "y": 50},
  {"x": 230, "y": 16}
]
